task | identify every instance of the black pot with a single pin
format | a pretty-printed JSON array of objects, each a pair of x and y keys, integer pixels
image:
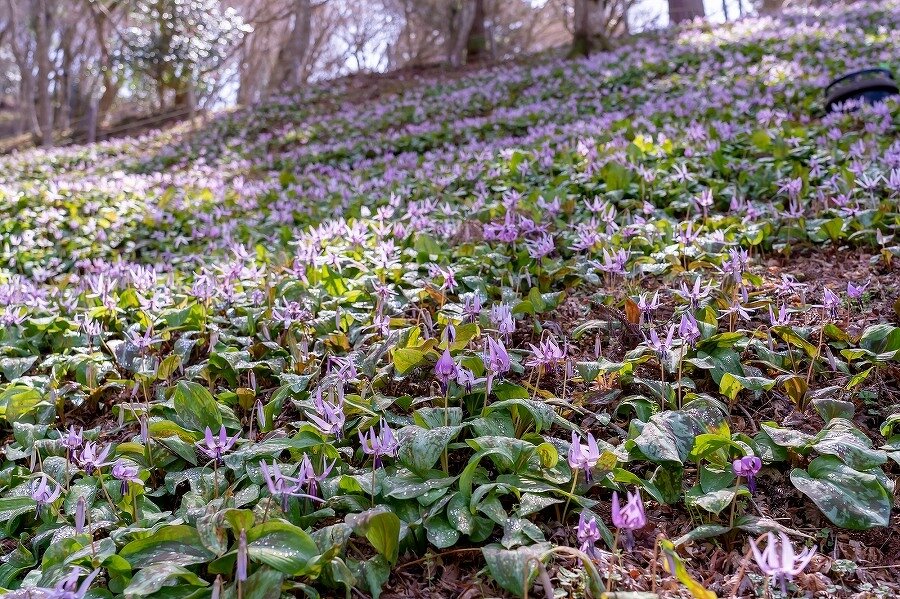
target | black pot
[{"x": 868, "y": 85}]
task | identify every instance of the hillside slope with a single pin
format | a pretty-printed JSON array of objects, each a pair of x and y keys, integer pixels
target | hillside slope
[{"x": 439, "y": 322}]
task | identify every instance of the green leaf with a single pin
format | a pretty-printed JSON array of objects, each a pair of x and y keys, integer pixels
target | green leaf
[
  {"x": 195, "y": 407},
  {"x": 848, "y": 498},
  {"x": 382, "y": 529},
  {"x": 13, "y": 368},
  {"x": 18, "y": 402},
  {"x": 440, "y": 532},
  {"x": 175, "y": 544},
  {"x": 281, "y": 545},
  {"x": 265, "y": 583},
  {"x": 669, "y": 437},
  {"x": 842, "y": 439},
  {"x": 156, "y": 576},
  {"x": 421, "y": 448},
  {"x": 514, "y": 569},
  {"x": 406, "y": 358},
  {"x": 729, "y": 386}
]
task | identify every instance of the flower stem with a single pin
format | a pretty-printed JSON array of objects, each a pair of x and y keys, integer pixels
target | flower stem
[
  {"x": 612, "y": 562},
  {"x": 571, "y": 492}
]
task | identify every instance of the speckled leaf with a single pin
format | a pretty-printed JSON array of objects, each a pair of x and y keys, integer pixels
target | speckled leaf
[
  {"x": 281, "y": 545},
  {"x": 514, "y": 569},
  {"x": 195, "y": 407},
  {"x": 440, "y": 532},
  {"x": 421, "y": 448},
  {"x": 849, "y": 498},
  {"x": 178, "y": 544},
  {"x": 153, "y": 578}
]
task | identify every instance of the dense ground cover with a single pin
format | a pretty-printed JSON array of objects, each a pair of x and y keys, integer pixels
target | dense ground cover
[{"x": 412, "y": 337}]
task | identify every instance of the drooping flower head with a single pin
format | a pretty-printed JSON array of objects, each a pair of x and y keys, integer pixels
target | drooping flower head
[
  {"x": 329, "y": 417},
  {"x": 831, "y": 302},
  {"x": 445, "y": 369},
  {"x": 779, "y": 561},
  {"x": 42, "y": 494},
  {"x": 688, "y": 329},
  {"x": 747, "y": 467},
  {"x": 241, "y": 564},
  {"x": 379, "y": 445},
  {"x": 214, "y": 447},
  {"x": 855, "y": 291},
  {"x": 91, "y": 457},
  {"x": 588, "y": 534},
  {"x": 584, "y": 457},
  {"x": 629, "y": 518},
  {"x": 495, "y": 358},
  {"x": 126, "y": 473}
]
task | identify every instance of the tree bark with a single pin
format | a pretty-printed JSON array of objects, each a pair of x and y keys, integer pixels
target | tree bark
[
  {"x": 476, "y": 45},
  {"x": 462, "y": 19},
  {"x": 582, "y": 36},
  {"x": 42, "y": 51},
  {"x": 685, "y": 10},
  {"x": 771, "y": 6},
  {"x": 290, "y": 67}
]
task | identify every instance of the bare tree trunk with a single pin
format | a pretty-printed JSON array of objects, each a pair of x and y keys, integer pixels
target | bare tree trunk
[
  {"x": 476, "y": 45},
  {"x": 582, "y": 38},
  {"x": 462, "y": 18},
  {"x": 771, "y": 6},
  {"x": 42, "y": 51},
  {"x": 290, "y": 67},
  {"x": 110, "y": 85},
  {"x": 685, "y": 10}
]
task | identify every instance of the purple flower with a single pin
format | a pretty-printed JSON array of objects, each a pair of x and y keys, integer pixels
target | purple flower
[
  {"x": 215, "y": 447},
  {"x": 68, "y": 587},
  {"x": 831, "y": 303},
  {"x": 343, "y": 367},
  {"x": 781, "y": 563},
  {"x": 688, "y": 329},
  {"x": 747, "y": 467},
  {"x": 540, "y": 247},
  {"x": 855, "y": 291},
  {"x": 472, "y": 307},
  {"x": 307, "y": 477},
  {"x": 584, "y": 457},
  {"x": 783, "y": 317},
  {"x": 329, "y": 417},
  {"x": 662, "y": 348},
  {"x": 495, "y": 358},
  {"x": 73, "y": 439},
  {"x": 695, "y": 294},
  {"x": 41, "y": 493},
  {"x": 445, "y": 368},
  {"x": 91, "y": 458},
  {"x": 145, "y": 430},
  {"x": 648, "y": 307},
  {"x": 546, "y": 355},
  {"x": 127, "y": 473},
  {"x": 79, "y": 515},
  {"x": 465, "y": 378},
  {"x": 629, "y": 518},
  {"x": 588, "y": 534},
  {"x": 241, "y": 565},
  {"x": 382, "y": 444},
  {"x": 502, "y": 318},
  {"x": 448, "y": 335},
  {"x": 279, "y": 484}
]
